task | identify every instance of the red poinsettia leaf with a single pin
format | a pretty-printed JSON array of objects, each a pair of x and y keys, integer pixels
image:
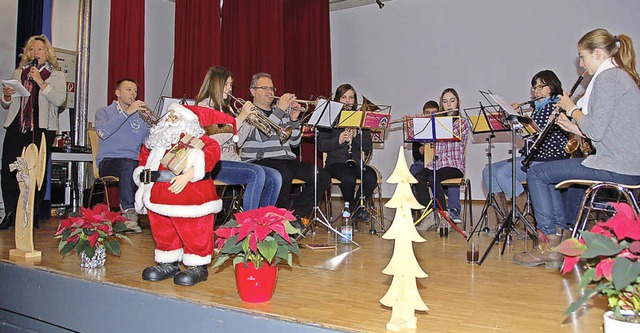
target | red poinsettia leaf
[
  {"x": 569, "y": 264},
  {"x": 571, "y": 247},
  {"x": 601, "y": 229},
  {"x": 262, "y": 231},
  {"x": 93, "y": 238},
  {"x": 635, "y": 247},
  {"x": 106, "y": 228},
  {"x": 604, "y": 268},
  {"x": 624, "y": 224},
  {"x": 253, "y": 244},
  {"x": 225, "y": 232}
]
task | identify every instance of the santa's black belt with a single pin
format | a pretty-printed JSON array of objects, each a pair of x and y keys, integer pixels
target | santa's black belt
[{"x": 147, "y": 176}]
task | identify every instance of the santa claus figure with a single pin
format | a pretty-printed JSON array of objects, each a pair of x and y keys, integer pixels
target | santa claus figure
[{"x": 176, "y": 191}]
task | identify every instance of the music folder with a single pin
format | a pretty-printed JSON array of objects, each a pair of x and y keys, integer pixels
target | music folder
[{"x": 422, "y": 129}]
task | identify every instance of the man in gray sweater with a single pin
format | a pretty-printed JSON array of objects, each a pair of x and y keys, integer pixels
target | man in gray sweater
[{"x": 268, "y": 151}]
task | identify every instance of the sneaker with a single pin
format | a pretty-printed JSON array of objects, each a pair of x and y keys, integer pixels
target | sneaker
[
  {"x": 454, "y": 215},
  {"x": 132, "y": 220},
  {"x": 363, "y": 215},
  {"x": 426, "y": 223}
]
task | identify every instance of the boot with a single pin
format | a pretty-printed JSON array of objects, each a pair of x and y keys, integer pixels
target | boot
[
  {"x": 501, "y": 201},
  {"x": 542, "y": 253},
  {"x": 132, "y": 221},
  {"x": 9, "y": 220},
  {"x": 161, "y": 271},
  {"x": 192, "y": 276}
]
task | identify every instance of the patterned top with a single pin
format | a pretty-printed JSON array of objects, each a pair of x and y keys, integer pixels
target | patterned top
[
  {"x": 552, "y": 148},
  {"x": 452, "y": 153}
]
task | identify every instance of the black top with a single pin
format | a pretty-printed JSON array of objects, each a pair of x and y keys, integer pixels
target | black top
[{"x": 338, "y": 153}]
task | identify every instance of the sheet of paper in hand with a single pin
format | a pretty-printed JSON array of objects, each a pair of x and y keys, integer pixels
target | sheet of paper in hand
[{"x": 176, "y": 158}]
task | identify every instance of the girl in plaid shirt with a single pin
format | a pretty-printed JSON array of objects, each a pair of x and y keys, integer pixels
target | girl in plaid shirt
[{"x": 450, "y": 159}]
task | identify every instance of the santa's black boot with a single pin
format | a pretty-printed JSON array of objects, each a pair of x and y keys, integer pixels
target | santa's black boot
[
  {"x": 192, "y": 276},
  {"x": 161, "y": 271}
]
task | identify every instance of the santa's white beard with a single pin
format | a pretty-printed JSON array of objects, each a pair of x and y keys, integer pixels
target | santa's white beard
[{"x": 165, "y": 134}]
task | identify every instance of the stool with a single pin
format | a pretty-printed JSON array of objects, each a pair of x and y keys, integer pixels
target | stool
[{"x": 590, "y": 204}]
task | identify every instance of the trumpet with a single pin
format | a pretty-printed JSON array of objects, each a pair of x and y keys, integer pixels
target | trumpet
[
  {"x": 148, "y": 116},
  {"x": 260, "y": 121},
  {"x": 306, "y": 103}
]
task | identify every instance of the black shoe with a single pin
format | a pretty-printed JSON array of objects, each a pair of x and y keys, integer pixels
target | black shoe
[
  {"x": 363, "y": 215},
  {"x": 192, "y": 276},
  {"x": 9, "y": 220},
  {"x": 161, "y": 271}
]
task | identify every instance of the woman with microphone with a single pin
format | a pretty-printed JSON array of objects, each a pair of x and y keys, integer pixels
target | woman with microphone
[{"x": 31, "y": 116}]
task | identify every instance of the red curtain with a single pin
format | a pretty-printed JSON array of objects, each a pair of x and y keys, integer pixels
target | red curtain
[
  {"x": 252, "y": 42},
  {"x": 307, "y": 45},
  {"x": 197, "y": 44},
  {"x": 126, "y": 45}
]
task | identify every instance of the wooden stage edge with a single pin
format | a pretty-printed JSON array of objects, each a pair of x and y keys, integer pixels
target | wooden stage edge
[{"x": 325, "y": 290}]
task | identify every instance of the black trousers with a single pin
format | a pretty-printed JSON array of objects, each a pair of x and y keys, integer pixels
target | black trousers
[
  {"x": 348, "y": 177},
  {"x": 14, "y": 142},
  {"x": 290, "y": 169},
  {"x": 425, "y": 177}
]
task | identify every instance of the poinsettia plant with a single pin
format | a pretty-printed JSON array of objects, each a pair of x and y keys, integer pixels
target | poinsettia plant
[
  {"x": 610, "y": 252},
  {"x": 258, "y": 236},
  {"x": 90, "y": 228}
]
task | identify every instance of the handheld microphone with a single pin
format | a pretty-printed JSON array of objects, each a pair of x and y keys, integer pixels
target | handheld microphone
[{"x": 33, "y": 63}]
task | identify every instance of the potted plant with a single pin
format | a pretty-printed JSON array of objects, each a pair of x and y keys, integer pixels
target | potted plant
[
  {"x": 610, "y": 252},
  {"x": 91, "y": 233},
  {"x": 257, "y": 240}
]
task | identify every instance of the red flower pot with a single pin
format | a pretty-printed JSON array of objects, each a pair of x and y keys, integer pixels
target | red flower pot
[{"x": 256, "y": 285}]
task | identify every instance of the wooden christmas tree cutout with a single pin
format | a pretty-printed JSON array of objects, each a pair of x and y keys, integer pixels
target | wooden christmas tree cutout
[
  {"x": 30, "y": 166},
  {"x": 403, "y": 296}
]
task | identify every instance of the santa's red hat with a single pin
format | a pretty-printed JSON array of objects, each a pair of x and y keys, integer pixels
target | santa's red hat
[{"x": 206, "y": 116}]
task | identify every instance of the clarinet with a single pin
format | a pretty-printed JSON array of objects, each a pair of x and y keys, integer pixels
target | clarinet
[{"x": 545, "y": 132}]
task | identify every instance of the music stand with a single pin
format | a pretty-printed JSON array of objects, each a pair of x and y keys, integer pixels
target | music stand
[
  {"x": 324, "y": 116},
  {"x": 369, "y": 117},
  {"x": 482, "y": 123},
  {"x": 509, "y": 223},
  {"x": 431, "y": 129}
]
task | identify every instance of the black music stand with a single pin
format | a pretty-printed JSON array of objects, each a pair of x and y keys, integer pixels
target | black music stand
[
  {"x": 508, "y": 225},
  {"x": 487, "y": 122},
  {"x": 432, "y": 129},
  {"x": 323, "y": 116}
]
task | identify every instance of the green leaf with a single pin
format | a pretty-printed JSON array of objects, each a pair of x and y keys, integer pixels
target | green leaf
[
  {"x": 113, "y": 246},
  {"x": 599, "y": 245},
  {"x": 221, "y": 259},
  {"x": 67, "y": 248},
  {"x": 89, "y": 251},
  {"x": 624, "y": 272},
  {"x": 578, "y": 303},
  {"x": 588, "y": 276},
  {"x": 119, "y": 227},
  {"x": 268, "y": 248},
  {"x": 571, "y": 247}
]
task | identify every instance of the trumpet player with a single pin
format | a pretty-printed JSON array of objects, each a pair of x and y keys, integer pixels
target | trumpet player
[
  {"x": 122, "y": 132},
  {"x": 263, "y": 183},
  {"x": 269, "y": 151},
  {"x": 344, "y": 156}
]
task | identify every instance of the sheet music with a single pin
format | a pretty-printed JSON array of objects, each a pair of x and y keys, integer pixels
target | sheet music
[
  {"x": 21, "y": 91},
  {"x": 423, "y": 131},
  {"x": 325, "y": 113},
  {"x": 166, "y": 101},
  {"x": 503, "y": 104}
]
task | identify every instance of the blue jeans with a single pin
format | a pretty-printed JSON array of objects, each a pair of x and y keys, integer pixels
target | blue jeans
[
  {"x": 548, "y": 204},
  {"x": 501, "y": 172},
  {"x": 263, "y": 183},
  {"x": 123, "y": 169}
]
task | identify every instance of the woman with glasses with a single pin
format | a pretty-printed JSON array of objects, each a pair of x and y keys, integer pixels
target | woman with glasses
[
  {"x": 546, "y": 89},
  {"x": 263, "y": 183},
  {"x": 608, "y": 115},
  {"x": 450, "y": 162},
  {"x": 30, "y": 117},
  {"x": 342, "y": 146}
]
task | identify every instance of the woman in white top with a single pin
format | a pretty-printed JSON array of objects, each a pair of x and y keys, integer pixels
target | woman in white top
[{"x": 263, "y": 183}]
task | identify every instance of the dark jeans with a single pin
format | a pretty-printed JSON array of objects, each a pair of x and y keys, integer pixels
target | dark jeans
[
  {"x": 290, "y": 169},
  {"x": 425, "y": 177},
  {"x": 263, "y": 183},
  {"x": 14, "y": 142},
  {"x": 123, "y": 169},
  {"x": 348, "y": 177}
]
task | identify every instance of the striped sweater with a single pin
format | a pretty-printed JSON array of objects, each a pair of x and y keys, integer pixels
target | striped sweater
[{"x": 258, "y": 146}]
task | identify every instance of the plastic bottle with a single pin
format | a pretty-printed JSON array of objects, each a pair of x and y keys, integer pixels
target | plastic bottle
[{"x": 346, "y": 228}]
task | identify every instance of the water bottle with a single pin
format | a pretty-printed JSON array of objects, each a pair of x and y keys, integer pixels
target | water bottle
[
  {"x": 346, "y": 229},
  {"x": 67, "y": 142}
]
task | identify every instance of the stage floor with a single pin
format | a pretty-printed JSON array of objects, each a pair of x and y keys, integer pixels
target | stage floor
[{"x": 341, "y": 288}]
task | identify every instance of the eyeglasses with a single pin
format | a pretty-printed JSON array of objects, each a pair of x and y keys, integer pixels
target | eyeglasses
[
  {"x": 265, "y": 88},
  {"x": 538, "y": 87}
]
